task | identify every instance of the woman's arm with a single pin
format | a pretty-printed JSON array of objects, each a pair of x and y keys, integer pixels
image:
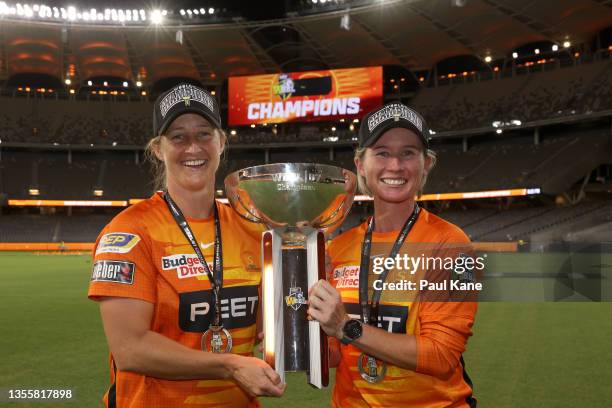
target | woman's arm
[
  {"x": 435, "y": 351},
  {"x": 138, "y": 349}
]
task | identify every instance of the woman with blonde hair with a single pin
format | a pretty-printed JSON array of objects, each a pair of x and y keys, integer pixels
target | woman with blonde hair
[
  {"x": 400, "y": 348},
  {"x": 177, "y": 277}
]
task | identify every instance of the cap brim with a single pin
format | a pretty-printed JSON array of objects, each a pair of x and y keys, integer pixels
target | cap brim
[{"x": 176, "y": 114}]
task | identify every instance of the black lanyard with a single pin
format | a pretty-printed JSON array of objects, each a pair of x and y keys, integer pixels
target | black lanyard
[
  {"x": 369, "y": 311},
  {"x": 216, "y": 280}
]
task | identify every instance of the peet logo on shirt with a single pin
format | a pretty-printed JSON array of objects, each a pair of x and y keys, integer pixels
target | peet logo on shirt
[
  {"x": 392, "y": 318},
  {"x": 346, "y": 276},
  {"x": 186, "y": 265},
  {"x": 239, "y": 305}
]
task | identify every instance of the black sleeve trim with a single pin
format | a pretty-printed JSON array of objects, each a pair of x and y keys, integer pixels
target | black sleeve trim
[{"x": 470, "y": 400}]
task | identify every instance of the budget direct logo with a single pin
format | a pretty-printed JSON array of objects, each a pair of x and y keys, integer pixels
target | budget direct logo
[
  {"x": 186, "y": 265},
  {"x": 117, "y": 243},
  {"x": 346, "y": 276}
]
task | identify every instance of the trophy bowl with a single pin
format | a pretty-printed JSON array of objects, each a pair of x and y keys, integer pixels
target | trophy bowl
[
  {"x": 292, "y": 198},
  {"x": 299, "y": 203}
]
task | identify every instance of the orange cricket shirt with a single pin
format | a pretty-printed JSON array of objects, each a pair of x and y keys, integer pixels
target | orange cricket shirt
[
  {"x": 142, "y": 254},
  {"x": 441, "y": 328}
]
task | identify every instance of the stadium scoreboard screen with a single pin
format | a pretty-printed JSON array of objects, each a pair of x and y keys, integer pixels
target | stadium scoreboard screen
[{"x": 304, "y": 96}]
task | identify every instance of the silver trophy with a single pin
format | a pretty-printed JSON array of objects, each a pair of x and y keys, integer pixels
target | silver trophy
[{"x": 299, "y": 203}]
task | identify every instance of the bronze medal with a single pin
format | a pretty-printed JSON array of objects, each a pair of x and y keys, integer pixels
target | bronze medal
[
  {"x": 371, "y": 370},
  {"x": 217, "y": 339}
]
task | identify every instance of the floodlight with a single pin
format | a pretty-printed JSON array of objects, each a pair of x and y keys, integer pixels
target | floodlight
[
  {"x": 72, "y": 13},
  {"x": 156, "y": 16}
]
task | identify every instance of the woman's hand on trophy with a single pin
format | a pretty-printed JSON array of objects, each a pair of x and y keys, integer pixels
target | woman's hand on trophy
[
  {"x": 256, "y": 377},
  {"x": 325, "y": 306}
]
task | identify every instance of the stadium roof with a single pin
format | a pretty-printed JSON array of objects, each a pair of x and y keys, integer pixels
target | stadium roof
[{"x": 409, "y": 33}]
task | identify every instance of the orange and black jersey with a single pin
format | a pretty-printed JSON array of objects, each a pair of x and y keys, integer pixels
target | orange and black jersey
[
  {"x": 441, "y": 328},
  {"x": 142, "y": 254}
]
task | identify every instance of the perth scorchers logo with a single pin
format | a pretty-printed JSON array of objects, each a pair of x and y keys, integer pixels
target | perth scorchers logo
[{"x": 296, "y": 298}]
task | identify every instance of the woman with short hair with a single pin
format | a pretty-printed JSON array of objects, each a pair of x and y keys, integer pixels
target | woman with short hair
[{"x": 400, "y": 348}]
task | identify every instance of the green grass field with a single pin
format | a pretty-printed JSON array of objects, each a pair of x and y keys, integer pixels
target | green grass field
[{"x": 522, "y": 354}]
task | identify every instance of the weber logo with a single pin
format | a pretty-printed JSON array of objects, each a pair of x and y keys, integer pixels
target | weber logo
[
  {"x": 390, "y": 318},
  {"x": 113, "y": 271},
  {"x": 238, "y": 308}
]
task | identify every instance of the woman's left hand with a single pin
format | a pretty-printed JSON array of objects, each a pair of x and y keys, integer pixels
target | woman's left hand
[{"x": 325, "y": 306}]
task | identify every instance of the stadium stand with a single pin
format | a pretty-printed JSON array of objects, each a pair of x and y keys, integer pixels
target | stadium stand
[
  {"x": 561, "y": 92},
  {"x": 52, "y": 228},
  {"x": 587, "y": 221},
  {"x": 553, "y": 165},
  {"x": 563, "y": 101}
]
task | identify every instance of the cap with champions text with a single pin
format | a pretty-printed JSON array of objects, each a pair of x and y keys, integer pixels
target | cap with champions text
[
  {"x": 184, "y": 98},
  {"x": 389, "y": 116}
]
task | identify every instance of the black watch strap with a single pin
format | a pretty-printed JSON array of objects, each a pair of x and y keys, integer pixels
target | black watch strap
[{"x": 346, "y": 341}]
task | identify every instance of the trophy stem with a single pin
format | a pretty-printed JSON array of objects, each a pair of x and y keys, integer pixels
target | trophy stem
[{"x": 295, "y": 288}]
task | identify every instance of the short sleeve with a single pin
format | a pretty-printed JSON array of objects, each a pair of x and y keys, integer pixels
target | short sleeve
[{"x": 122, "y": 262}]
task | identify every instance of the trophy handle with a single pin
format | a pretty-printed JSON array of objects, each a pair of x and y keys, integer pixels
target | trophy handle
[
  {"x": 318, "y": 373},
  {"x": 272, "y": 294}
]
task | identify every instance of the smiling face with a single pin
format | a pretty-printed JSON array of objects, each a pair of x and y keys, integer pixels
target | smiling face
[
  {"x": 394, "y": 167},
  {"x": 190, "y": 150}
]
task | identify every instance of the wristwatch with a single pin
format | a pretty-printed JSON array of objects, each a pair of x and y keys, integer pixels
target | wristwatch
[{"x": 351, "y": 331}]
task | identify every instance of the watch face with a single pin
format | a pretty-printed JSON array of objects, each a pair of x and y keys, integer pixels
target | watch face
[{"x": 353, "y": 329}]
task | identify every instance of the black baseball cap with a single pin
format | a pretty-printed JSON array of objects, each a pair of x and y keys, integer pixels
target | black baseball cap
[
  {"x": 389, "y": 116},
  {"x": 184, "y": 98}
]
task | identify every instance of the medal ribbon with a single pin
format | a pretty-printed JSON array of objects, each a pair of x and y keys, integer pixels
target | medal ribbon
[
  {"x": 216, "y": 280},
  {"x": 369, "y": 311}
]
